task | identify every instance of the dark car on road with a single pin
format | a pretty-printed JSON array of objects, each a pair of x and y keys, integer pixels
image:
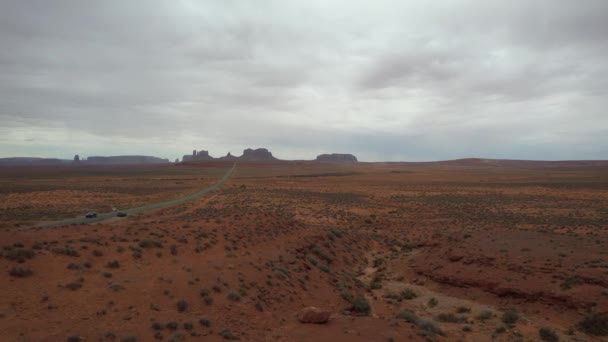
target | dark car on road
[
  {"x": 91, "y": 214},
  {"x": 122, "y": 214}
]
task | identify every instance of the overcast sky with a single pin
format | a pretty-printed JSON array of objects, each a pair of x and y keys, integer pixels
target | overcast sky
[{"x": 384, "y": 80}]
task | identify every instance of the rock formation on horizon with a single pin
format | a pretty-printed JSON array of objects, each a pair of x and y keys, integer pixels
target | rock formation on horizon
[
  {"x": 200, "y": 155},
  {"x": 337, "y": 158},
  {"x": 229, "y": 156},
  {"x": 260, "y": 154}
]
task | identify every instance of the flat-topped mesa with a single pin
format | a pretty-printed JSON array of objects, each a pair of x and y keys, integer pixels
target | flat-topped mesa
[
  {"x": 260, "y": 154},
  {"x": 337, "y": 158}
]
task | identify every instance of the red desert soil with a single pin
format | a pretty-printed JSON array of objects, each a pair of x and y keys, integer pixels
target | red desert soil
[{"x": 395, "y": 251}]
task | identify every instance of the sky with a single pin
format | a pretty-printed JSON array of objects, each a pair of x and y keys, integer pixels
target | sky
[{"x": 383, "y": 80}]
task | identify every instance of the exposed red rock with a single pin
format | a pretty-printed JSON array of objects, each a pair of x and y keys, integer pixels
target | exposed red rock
[{"x": 314, "y": 315}]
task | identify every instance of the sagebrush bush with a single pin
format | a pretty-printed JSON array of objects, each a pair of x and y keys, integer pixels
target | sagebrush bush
[
  {"x": 595, "y": 324},
  {"x": 510, "y": 317},
  {"x": 19, "y": 255},
  {"x": 20, "y": 272},
  {"x": 181, "y": 305},
  {"x": 360, "y": 305},
  {"x": 548, "y": 335}
]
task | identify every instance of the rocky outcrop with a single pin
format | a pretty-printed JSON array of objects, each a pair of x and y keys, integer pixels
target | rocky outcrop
[
  {"x": 337, "y": 158},
  {"x": 200, "y": 155},
  {"x": 126, "y": 160},
  {"x": 260, "y": 154},
  {"x": 314, "y": 315},
  {"x": 229, "y": 157}
]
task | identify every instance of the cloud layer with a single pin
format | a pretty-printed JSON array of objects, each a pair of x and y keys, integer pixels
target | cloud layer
[{"x": 385, "y": 80}]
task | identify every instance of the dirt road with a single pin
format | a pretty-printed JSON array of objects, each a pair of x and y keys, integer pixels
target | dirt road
[{"x": 154, "y": 206}]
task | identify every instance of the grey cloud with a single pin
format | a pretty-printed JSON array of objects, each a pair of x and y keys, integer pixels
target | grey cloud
[{"x": 389, "y": 80}]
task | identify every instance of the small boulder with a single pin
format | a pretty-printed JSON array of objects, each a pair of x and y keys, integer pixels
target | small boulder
[{"x": 314, "y": 315}]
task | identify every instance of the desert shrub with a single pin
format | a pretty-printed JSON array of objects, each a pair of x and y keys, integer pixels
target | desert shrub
[
  {"x": 547, "y": 334},
  {"x": 75, "y": 285},
  {"x": 510, "y": 317},
  {"x": 463, "y": 309},
  {"x": 233, "y": 296},
  {"x": 569, "y": 283},
  {"x": 347, "y": 296},
  {"x": 432, "y": 302},
  {"x": 97, "y": 253},
  {"x": 450, "y": 318},
  {"x": 115, "y": 286},
  {"x": 312, "y": 259},
  {"x": 321, "y": 253},
  {"x": 228, "y": 335},
  {"x": 408, "y": 316},
  {"x": 376, "y": 283},
  {"x": 146, "y": 243},
  {"x": 181, "y": 305},
  {"x": 113, "y": 264},
  {"x": 484, "y": 315},
  {"x": 408, "y": 294},
  {"x": 20, "y": 272},
  {"x": 595, "y": 324},
  {"x": 67, "y": 250},
  {"x": 205, "y": 322},
  {"x": 208, "y": 299},
  {"x": 19, "y": 255},
  {"x": 128, "y": 339},
  {"x": 172, "y": 325},
  {"x": 188, "y": 326},
  {"x": 427, "y": 328},
  {"x": 259, "y": 307},
  {"x": 323, "y": 267},
  {"x": 157, "y": 326},
  {"x": 74, "y": 339},
  {"x": 360, "y": 305},
  {"x": 173, "y": 249}
]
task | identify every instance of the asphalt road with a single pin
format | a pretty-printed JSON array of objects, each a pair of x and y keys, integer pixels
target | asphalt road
[{"x": 131, "y": 211}]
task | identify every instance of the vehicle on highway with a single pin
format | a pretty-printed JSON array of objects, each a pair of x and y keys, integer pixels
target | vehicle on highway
[
  {"x": 122, "y": 214},
  {"x": 91, "y": 214}
]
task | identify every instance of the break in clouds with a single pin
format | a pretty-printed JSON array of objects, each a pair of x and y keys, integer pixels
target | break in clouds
[{"x": 384, "y": 80}]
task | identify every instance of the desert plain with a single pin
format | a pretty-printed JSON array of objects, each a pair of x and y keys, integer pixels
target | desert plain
[{"x": 469, "y": 250}]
